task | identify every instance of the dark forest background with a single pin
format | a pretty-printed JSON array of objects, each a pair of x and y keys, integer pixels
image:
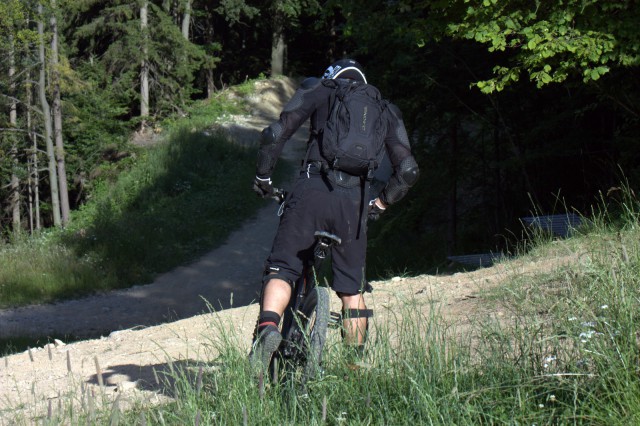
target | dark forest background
[{"x": 514, "y": 107}]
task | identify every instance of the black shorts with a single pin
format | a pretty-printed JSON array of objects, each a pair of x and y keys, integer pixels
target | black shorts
[{"x": 317, "y": 205}]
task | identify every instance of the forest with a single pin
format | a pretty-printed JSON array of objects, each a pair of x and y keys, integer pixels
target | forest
[{"x": 513, "y": 106}]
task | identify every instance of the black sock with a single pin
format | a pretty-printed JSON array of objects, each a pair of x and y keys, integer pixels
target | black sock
[{"x": 267, "y": 318}]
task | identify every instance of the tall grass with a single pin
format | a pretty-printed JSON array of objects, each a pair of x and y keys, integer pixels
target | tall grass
[
  {"x": 40, "y": 269},
  {"x": 566, "y": 352}
]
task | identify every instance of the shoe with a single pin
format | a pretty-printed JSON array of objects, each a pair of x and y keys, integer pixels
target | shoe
[{"x": 264, "y": 346}]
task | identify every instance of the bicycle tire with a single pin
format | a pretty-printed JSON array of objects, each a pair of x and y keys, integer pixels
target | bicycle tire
[
  {"x": 316, "y": 311},
  {"x": 307, "y": 334}
]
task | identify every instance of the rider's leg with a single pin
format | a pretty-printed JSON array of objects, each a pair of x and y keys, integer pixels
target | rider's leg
[
  {"x": 276, "y": 295},
  {"x": 274, "y": 298}
]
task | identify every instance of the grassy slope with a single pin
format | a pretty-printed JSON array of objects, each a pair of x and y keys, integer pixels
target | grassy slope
[{"x": 169, "y": 204}]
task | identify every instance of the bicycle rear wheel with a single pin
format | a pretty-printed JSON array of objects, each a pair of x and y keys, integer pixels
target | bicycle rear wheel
[
  {"x": 316, "y": 313},
  {"x": 305, "y": 334}
]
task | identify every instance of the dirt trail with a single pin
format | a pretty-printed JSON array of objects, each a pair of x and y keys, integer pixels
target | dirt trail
[
  {"x": 150, "y": 329},
  {"x": 60, "y": 377}
]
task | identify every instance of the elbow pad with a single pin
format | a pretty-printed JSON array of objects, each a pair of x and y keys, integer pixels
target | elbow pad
[
  {"x": 404, "y": 178},
  {"x": 409, "y": 171},
  {"x": 267, "y": 154}
]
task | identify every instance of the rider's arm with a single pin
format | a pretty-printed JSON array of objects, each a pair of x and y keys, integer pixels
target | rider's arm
[
  {"x": 405, "y": 168},
  {"x": 294, "y": 114}
]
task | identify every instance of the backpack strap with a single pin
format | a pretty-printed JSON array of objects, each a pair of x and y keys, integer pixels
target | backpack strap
[
  {"x": 364, "y": 204},
  {"x": 318, "y": 134}
]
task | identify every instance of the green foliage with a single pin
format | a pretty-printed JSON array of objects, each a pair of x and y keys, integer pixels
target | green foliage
[
  {"x": 13, "y": 18},
  {"x": 292, "y": 9},
  {"x": 94, "y": 125},
  {"x": 173, "y": 64},
  {"x": 549, "y": 41},
  {"x": 234, "y": 10},
  {"x": 11, "y": 13},
  {"x": 112, "y": 35}
]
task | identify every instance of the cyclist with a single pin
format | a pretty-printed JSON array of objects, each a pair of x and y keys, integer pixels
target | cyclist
[{"x": 327, "y": 200}]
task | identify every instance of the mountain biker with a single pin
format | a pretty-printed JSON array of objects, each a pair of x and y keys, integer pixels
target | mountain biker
[{"x": 323, "y": 199}]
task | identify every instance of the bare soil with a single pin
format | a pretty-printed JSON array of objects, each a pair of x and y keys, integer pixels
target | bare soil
[{"x": 177, "y": 319}]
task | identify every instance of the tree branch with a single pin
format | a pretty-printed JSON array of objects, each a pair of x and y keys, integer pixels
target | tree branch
[
  {"x": 9, "y": 129},
  {"x": 11, "y": 98}
]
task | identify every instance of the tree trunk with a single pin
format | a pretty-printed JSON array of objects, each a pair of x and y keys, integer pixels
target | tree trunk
[
  {"x": 278, "y": 45},
  {"x": 211, "y": 86},
  {"x": 13, "y": 123},
  {"x": 499, "y": 204},
  {"x": 186, "y": 20},
  {"x": 452, "y": 234},
  {"x": 34, "y": 176},
  {"x": 46, "y": 113},
  {"x": 333, "y": 37},
  {"x": 57, "y": 119},
  {"x": 144, "y": 71},
  {"x": 209, "y": 64}
]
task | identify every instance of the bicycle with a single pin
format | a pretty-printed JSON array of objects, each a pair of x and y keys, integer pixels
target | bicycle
[{"x": 307, "y": 317}]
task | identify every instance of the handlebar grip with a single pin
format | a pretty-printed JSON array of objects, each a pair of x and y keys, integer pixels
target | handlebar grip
[{"x": 279, "y": 195}]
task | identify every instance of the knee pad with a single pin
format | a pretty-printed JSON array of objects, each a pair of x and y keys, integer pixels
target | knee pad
[
  {"x": 348, "y": 314},
  {"x": 357, "y": 313},
  {"x": 269, "y": 275}
]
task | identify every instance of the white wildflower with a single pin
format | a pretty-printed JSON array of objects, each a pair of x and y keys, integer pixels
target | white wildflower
[
  {"x": 548, "y": 360},
  {"x": 585, "y": 336}
]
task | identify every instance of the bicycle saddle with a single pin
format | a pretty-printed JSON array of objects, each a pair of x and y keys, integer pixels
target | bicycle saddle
[{"x": 327, "y": 238}]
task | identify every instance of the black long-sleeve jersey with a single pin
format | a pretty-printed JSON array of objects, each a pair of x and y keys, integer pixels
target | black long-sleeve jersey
[{"x": 313, "y": 101}]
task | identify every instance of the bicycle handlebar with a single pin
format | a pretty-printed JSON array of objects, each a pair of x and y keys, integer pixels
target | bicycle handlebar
[{"x": 279, "y": 195}]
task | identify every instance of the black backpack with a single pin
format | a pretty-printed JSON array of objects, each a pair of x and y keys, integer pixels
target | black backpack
[{"x": 353, "y": 137}]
